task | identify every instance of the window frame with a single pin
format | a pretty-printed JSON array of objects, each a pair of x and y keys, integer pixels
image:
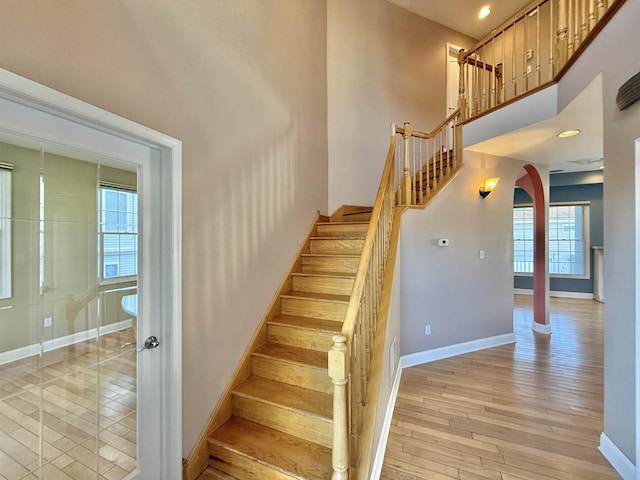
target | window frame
[
  {"x": 586, "y": 241},
  {"x": 6, "y": 274},
  {"x": 101, "y": 233}
]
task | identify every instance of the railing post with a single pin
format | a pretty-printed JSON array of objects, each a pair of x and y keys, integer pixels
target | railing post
[
  {"x": 338, "y": 371},
  {"x": 406, "y": 181},
  {"x": 458, "y": 145},
  {"x": 462, "y": 98},
  {"x": 562, "y": 40}
]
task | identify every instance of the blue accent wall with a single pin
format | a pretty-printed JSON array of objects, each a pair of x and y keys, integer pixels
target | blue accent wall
[{"x": 571, "y": 187}]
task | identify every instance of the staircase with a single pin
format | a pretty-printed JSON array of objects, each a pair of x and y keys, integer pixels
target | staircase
[{"x": 282, "y": 421}]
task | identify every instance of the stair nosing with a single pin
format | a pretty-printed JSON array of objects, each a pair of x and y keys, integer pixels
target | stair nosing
[
  {"x": 274, "y": 321},
  {"x": 339, "y": 255},
  {"x": 309, "y": 296},
  {"x": 360, "y": 238},
  {"x": 346, "y": 276}
]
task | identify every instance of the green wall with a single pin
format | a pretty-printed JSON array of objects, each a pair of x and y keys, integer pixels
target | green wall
[{"x": 71, "y": 295}]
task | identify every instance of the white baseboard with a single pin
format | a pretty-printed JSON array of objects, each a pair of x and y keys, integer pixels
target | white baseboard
[
  {"x": 30, "y": 350},
  {"x": 452, "y": 350},
  {"x": 376, "y": 467},
  {"x": 556, "y": 293},
  {"x": 616, "y": 458},
  {"x": 540, "y": 328}
]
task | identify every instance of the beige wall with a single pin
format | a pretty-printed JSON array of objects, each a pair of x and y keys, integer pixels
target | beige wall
[
  {"x": 70, "y": 253},
  {"x": 461, "y": 296},
  {"x": 243, "y": 85},
  {"x": 385, "y": 65}
]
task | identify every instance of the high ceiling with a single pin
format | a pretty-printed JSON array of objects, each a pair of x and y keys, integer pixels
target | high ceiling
[
  {"x": 462, "y": 15},
  {"x": 539, "y": 142},
  {"x": 536, "y": 143}
]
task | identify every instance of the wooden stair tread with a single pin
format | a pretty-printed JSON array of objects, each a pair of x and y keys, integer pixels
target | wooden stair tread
[
  {"x": 308, "y": 402},
  {"x": 344, "y": 223},
  {"x": 341, "y": 239},
  {"x": 328, "y": 297},
  {"x": 287, "y": 453},
  {"x": 339, "y": 255},
  {"x": 214, "y": 474},
  {"x": 325, "y": 274},
  {"x": 293, "y": 354},
  {"x": 325, "y": 326}
]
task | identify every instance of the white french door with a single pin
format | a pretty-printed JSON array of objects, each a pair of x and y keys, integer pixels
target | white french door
[{"x": 100, "y": 398}]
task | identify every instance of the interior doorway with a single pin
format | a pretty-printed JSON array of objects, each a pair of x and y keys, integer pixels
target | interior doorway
[{"x": 90, "y": 242}]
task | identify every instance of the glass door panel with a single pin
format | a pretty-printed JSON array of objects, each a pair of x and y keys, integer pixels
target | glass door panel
[{"x": 68, "y": 361}]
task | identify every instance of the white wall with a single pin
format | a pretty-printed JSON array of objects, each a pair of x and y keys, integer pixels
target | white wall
[
  {"x": 384, "y": 65},
  {"x": 614, "y": 54},
  {"x": 243, "y": 85},
  {"x": 462, "y": 297}
]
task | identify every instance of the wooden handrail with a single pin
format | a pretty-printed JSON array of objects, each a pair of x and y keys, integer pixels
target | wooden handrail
[
  {"x": 432, "y": 133},
  {"x": 532, "y": 48},
  {"x": 519, "y": 15},
  {"x": 349, "y": 359},
  {"x": 429, "y": 159},
  {"x": 351, "y": 354}
]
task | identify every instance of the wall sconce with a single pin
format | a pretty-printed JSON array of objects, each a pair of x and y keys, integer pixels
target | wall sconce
[{"x": 489, "y": 185}]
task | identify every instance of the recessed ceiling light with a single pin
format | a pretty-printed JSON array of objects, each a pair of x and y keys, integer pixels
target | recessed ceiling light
[
  {"x": 568, "y": 133},
  {"x": 484, "y": 12}
]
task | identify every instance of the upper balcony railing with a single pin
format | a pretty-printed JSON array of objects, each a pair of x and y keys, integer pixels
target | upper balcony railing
[{"x": 528, "y": 52}]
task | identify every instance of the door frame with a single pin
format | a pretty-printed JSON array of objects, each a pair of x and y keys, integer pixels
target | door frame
[{"x": 40, "y": 114}]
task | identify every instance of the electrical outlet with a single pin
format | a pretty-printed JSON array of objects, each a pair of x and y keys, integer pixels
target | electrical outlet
[
  {"x": 481, "y": 255},
  {"x": 48, "y": 321},
  {"x": 529, "y": 69},
  {"x": 427, "y": 329}
]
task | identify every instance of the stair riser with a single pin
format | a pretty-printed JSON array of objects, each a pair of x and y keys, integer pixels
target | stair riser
[
  {"x": 305, "y": 307},
  {"x": 342, "y": 230},
  {"x": 337, "y": 286},
  {"x": 335, "y": 246},
  {"x": 330, "y": 264},
  {"x": 300, "y": 337},
  {"x": 294, "y": 423},
  {"x": 293, "y": 374},
  {"x": 240, "y": 466},
  {"x": 356, "y": 217}
]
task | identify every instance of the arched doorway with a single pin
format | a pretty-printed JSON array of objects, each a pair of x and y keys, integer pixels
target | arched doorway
[{"x": 531, "y": 183}]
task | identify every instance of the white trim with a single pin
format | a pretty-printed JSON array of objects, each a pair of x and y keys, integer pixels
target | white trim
[
  {"x": 60, "y": 342},
  {"x": 458, "y": 349},
  {"x": 616, "y": 458},
  {"x": 556, "y": 293},
  {"x": 540, "y": 328},
  {"x": 376, "y": 467},
  {"x": 637, "y": 299}
]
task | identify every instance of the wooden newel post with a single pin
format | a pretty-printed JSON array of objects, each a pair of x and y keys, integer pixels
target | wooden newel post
[
  {"x": 406, "y": 182},
  {"x": 339, "y": 373}
]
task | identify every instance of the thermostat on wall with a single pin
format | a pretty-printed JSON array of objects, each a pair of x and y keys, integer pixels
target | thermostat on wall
[{"x": 443, "y": 242}]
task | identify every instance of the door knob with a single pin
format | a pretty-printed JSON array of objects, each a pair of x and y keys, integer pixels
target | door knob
[{"x": 149, "y": 343}]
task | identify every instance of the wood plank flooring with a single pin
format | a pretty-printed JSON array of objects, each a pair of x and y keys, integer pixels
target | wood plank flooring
[
  {"x": 532, "y": 410},
  {"x": 70, "y": 414}
]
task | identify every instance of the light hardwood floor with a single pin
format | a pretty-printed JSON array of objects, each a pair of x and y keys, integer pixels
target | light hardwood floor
[
  {"x": 70, "y": 414},
  {"x": 532, "y": 410}
]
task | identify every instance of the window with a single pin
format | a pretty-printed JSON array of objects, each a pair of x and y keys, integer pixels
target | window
[
  {"x": 568, "y": 240},
  {"x": 118, "y": 232},
  {"x": 5, "y": 231}
]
